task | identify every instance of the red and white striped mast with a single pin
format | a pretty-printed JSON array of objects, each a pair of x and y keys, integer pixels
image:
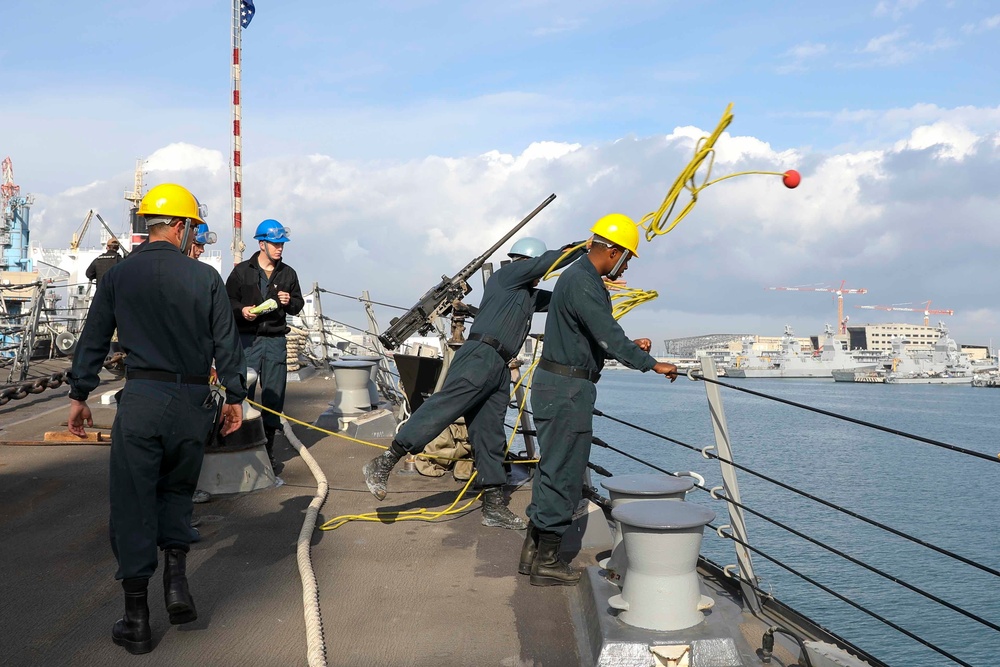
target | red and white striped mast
[{"x": 240, "y": 19}]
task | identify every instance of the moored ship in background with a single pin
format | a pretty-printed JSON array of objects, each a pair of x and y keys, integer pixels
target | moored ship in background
[
  {"x": 792, "y": 362},
  {"x": 943, "y": 363}
]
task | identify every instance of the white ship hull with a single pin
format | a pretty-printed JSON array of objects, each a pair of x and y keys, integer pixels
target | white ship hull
[{"x": 951, "y": 379}]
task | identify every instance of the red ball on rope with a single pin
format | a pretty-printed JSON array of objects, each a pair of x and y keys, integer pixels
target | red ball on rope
[{"x": 791, "y": 179}]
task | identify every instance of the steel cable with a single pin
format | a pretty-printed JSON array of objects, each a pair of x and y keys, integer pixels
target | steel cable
[
  {"x": 861, "y": 422},
  {"x": 362, "y": 299},
  {"x": 837, "y": 595},
  {"x": 915, "y": 589},
  {"x": 804, "y": 494}
]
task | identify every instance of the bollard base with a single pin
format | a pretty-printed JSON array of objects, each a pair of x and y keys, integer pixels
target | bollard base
[
  {"x": 604, "y": 641},
  {"x": 240, "y": 471}
]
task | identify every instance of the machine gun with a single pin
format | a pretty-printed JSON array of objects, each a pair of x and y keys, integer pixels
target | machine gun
[{"x": 439, "y": 300}]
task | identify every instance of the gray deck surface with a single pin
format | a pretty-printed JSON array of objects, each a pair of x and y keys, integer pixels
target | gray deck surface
[{"x": 410, "y": 593}]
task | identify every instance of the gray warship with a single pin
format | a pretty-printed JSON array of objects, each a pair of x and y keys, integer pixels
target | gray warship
[
  {"x": 792, "y": 362},
  {"x": 942, "y": 364}
]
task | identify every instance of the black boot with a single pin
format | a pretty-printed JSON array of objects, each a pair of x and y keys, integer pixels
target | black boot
[
  {"x": 495, "y": 512},
  {"x": 132, "y": 630},
  {"x": 269, "y": 432},
  {"x": 377, "y": 470},
  {"x": 528, "y": 550},
  {"x": 180, "y": 604},
  {"x": 548, "y": 569}
]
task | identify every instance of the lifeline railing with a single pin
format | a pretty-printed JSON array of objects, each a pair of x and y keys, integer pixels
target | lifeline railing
[{"x": 736, "y": 531}]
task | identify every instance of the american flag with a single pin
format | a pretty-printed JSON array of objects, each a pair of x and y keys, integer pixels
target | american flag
[{"x": 246, "y": 12}]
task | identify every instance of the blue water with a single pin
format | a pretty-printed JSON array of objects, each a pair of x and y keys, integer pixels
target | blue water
[{"x": 942, "y": 497}]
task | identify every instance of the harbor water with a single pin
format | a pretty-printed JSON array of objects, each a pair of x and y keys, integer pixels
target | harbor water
[{"x": 941, "y": 497}]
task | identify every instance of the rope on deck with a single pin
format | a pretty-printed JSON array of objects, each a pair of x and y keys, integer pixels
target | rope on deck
[{"x": 315, "y": 644}]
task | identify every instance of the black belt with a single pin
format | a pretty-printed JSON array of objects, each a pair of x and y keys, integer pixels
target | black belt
[
  {"x": 495, "y": 344},
  {"x": 164, "y": 376},
  {"x": 569, "y": 371}
]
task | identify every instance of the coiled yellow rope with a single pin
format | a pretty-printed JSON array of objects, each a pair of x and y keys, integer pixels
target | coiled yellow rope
[
  {"x": 624, "y": 299},
  {"x": 423, "y": 513},
  {"x": 658, "y": 222}
]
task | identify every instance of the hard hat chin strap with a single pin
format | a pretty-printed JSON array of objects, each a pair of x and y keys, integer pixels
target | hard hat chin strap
[
  {"x": 267, "y": 251},
  {"x": 619, "y": 265},
  {"x": 187, "y": 236}
]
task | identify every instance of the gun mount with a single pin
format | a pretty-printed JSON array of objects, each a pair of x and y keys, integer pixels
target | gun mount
[{"x": 441, "y": 299}]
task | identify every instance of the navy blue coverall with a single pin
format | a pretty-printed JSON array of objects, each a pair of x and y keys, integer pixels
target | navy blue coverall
[
  {"x": 580, "y": 332},
  {"x": 173, "y": 318},
  {"x": 478, "y": 382}
]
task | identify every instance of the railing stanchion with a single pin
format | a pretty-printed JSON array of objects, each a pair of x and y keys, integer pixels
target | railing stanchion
[
  {"x": 525, "y": 425},
  {"x": 732, "y": 488},
  {"x": 318, "y": 327}
]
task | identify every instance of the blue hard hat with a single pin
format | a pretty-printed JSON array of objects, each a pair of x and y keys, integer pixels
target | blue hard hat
[
  {"x": 527, "y": 247},
  {"x": 272, "y": 231},
  {"x": 202, "y": 236}
]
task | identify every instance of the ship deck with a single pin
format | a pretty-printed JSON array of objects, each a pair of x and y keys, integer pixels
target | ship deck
[{"x": 409, "y": 593}]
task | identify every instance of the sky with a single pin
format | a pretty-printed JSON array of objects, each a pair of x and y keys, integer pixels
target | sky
[{"x": 399, "y": 140}]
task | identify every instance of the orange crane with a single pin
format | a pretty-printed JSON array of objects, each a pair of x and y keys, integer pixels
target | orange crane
[
  {"x": 839, "y": 291},
  {"x": 926, "y": 311}
]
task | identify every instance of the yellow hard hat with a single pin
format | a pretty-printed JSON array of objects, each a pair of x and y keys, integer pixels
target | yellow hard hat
[
  {"x": 170, "y": 200},
  {"x": 620, "y": 230}
]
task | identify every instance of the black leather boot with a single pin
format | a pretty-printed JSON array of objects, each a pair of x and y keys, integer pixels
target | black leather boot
[
  {"x": 548, "y": 569},
  {"x": 180, "y": 604},
  {"x": 496, "y": 514},
  {"x": 269, "y": 432},
  {"x": 377, "y": 470},
  {"x": 528, "y": 550},
  {"x": 132, "y": 631}
]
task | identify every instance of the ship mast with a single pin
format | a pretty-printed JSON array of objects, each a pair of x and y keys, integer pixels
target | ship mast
[
  {"x": 241, "y": 18},
  {"x": 137, "y": 231}
]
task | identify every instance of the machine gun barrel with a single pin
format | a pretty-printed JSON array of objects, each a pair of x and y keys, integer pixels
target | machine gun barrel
[
  {"x": 437, "y": 302},
  {"x": 478, "y": 262}
]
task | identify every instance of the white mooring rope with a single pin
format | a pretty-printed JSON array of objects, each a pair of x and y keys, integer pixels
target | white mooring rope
[{"x": 315, "y": 644}]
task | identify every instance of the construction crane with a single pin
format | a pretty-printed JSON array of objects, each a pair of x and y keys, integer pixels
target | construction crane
[
  {"x": 14, "y": 213},
  {"x": 838, "y": 291},
  {"x": 74, "y": 245},
  {"x": 926, "y": 311}
]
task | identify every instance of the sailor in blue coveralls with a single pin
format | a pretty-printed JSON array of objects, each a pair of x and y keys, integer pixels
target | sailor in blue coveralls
[
  {"x": 580, "y": 333},
  {"x": 173, "y": 318},
  {"x": 478, "y": 382}
]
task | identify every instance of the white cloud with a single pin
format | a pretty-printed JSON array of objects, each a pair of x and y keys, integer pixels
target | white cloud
[
  {"x": 895, "y": 9},
  {"x": 182, "y": 156},
  {"x": 952, "y": 141},
  {"x": 807, "y": 50},
  {"x": 892, "y": 49},
  {"x": 559, "y": 25},
  {"x": 80, "y": 189},
  {"x": 798, "y": 55},
  {"x": 911, "y": 220},
  {"x": 982, "y": 26}
]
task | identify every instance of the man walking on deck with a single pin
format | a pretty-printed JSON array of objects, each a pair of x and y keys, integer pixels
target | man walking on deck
[
  {"x": 580, "y": 333},
  {"x": 173, "y": 318},
  {"x": 478, "y": 382},
  {"x": 263, "y": 277}
]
